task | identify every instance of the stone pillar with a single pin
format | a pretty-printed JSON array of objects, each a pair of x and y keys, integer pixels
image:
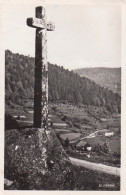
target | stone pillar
[{"x": 41, "y": 74}]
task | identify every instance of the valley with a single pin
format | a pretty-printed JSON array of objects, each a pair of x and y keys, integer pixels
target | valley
[
  {"x": 75, "y": 128},
  {"x": 84, "y": 116}
]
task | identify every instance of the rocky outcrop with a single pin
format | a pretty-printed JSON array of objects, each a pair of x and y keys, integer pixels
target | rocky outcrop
[{"x": 35, "y": 160}]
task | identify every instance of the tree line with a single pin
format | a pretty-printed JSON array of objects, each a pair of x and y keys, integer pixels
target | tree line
[{"x": 64, "y": 85}]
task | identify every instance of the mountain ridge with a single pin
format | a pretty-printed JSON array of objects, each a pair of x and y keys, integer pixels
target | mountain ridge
[{"x": 104, "y": 76}]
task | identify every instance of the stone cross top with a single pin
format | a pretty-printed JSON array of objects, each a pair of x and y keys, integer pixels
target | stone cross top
[{"x": 41, "y": 67}]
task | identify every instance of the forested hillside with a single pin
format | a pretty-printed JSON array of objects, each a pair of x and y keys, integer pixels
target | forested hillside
[
  {"x": 105, "y": 77},
  {"x": 64, "y": 85}
]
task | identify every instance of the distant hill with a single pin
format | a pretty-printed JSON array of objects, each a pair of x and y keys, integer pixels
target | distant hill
[
  {"x": 64, "y": 85},
  {"x": 105, "y": 77}
]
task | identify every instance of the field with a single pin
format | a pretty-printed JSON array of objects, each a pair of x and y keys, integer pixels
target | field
[
  {"x": 75, "y": 123},
  {"x": 21, "y": 111},
  {"x": 112, "y": 122},
  {"x": 109, "y": 160},
  {"x": 115, "y": 144},
  {"x": 77, "y": 115},
  {"x": 86, "y": 124},
  {"x": 70, "y": 136},
  {"x": 62, "y": 131}
]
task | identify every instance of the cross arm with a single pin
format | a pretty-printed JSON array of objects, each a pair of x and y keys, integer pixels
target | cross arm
[
  {"x": 36, "y": 23},
  {"x": 39, "y": 23},
  {"x": 50, "y": 26}
]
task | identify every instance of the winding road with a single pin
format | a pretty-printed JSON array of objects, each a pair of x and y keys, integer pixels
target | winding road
[{"x": 96, "y": 167}]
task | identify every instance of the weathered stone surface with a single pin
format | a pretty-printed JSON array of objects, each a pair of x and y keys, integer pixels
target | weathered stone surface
[
  {"x": 41, "y": 67},
  {"x": 35, "y": 159},
  {"x": 41, "y": 74},
  {"x": 39, "y": 23},
  {"x": 36, "y": 23},
  {"x": 50, "y": 26}
]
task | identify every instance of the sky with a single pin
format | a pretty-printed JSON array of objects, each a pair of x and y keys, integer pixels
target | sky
[{"x": 85, "y": 35}]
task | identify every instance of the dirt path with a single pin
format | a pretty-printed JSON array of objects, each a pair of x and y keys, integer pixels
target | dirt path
[{"x": 96, "y": 167}]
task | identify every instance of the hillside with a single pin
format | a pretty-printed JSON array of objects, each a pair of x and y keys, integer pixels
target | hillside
[
  {"x": 34, "y": 158},
  {"x": 64, "y": 85},
  {"x": 105, "y": 77}
]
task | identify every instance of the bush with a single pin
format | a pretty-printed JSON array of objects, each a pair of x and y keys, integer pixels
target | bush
[
  {"x": 54, "y": 108},
  {"x": 66, "y": 143},
  {"x": 77, "y": 125}
]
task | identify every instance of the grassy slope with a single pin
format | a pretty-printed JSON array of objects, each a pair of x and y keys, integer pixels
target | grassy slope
[{"x": 91, "y": 180}]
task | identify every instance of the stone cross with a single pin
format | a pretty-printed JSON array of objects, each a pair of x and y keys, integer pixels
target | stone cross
[{"x": 41, "y": 67}]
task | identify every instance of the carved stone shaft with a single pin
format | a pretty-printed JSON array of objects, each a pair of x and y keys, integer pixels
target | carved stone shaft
[
  {"x": 41, "y": 67},
  {"x": 41, "y": 75}
]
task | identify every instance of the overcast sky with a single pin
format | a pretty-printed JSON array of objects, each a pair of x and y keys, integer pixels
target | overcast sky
[{"x": 86, "y": 35}]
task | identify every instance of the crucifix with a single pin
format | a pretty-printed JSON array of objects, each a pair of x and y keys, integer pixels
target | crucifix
[{"x": 41, "y": 67}]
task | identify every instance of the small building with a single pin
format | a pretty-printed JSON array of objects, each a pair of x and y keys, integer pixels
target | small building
[
  {"x": 30, "y": 111},
  {"x": 109, "y": 134},
  {"x": 21, "y": 117},
  {"x": 15, "y": 116},
  {"x": 88, "y": 155},
  {"x": 102, "y": 132},
  {"x": 84, "y": 146},
  {"x": 89, "y": 149},
  {"x": 50, "y": 116}
]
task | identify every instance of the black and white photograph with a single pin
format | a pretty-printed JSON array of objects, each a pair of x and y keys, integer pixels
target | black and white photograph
[{"x": 63, "y": 91}]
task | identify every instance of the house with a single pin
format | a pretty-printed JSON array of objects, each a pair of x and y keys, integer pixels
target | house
[
  {"x": 81, "y": 145},
  {"x": 102, "y": 132},
  {"x": 89, "y": 149},
  {"x": 15, "y": 116},
  {"x": 21, "y": 117},
  {"x": 50, "y": 116},
  {"x": 108, "y": 134},
  {"x": 88, "y": 155},
  {"x": 84, "y": 146},
  {"x": 30, "y": 111}
]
